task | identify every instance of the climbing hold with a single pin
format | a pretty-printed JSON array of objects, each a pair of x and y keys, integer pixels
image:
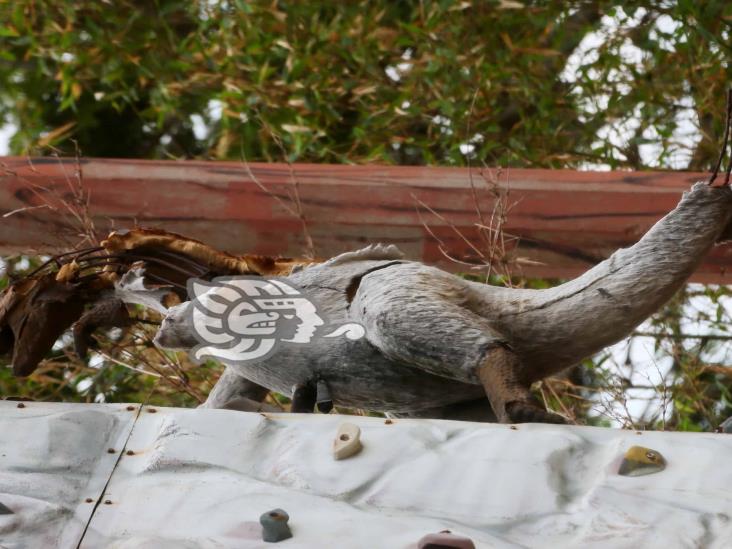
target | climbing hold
[
  {"x": 4, "y": 510},
  {"x": 323, "y": 399},
  {"x": 347, "y": 441},
  {"x": 274, "y": 525},
  {"x": 639, "y": 461},
  {"x": 303, "y": 398},
  {"x": 445, "y": 540}
]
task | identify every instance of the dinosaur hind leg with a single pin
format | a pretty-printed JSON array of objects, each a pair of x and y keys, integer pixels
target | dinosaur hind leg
[
  {"x": 423, "y": 317},
  {"x": 508, "y": 391}
]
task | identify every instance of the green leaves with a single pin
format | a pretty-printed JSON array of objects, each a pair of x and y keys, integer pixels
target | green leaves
[{"x": 356, "y": 75}]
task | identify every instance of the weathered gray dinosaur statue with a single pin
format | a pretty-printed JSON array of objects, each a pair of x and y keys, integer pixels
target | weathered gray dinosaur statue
[{"x": 437, "y": 344}]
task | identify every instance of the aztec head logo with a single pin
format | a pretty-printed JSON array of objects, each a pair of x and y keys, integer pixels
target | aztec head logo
[{"x": 243, "y": 319}]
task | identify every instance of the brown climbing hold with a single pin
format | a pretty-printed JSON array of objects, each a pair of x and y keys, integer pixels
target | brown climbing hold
[
  {"x": 445, "y": 540},
  {"x": 347, "y": 441}
]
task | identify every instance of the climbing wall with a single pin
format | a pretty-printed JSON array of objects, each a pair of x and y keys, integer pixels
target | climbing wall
[{"x": 98, "y": 476}]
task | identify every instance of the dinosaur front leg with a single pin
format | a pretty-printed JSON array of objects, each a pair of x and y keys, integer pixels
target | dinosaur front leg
[
  {"x": 508, "y": 390},
  {"x": 235, "y": 392}
]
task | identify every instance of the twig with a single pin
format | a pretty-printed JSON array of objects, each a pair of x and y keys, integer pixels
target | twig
[
  {"x": 125, "y": 365},
  {"x": 723, "y": 149},
  {"x": 27, "y": 208},
  {"x": 297, "y": 211},
  {"x": 683, "y": 336}
]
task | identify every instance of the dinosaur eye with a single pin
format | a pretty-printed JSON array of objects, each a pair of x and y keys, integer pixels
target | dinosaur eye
[{"x": 652, "y": 456}]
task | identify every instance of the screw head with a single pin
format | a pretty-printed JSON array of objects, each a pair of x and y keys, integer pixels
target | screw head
[
  {"x": 107, "y": 502},
  {"x": 89, "y": 500},
  {"x": 111, "y": 450},
  {"x": 130, "y": 453},
  {"x": 152, "y": 410},
  {"x": 130, "y": 408},
  {"x": 21, "y": 405},
  {"x": 388, "y": 422}
]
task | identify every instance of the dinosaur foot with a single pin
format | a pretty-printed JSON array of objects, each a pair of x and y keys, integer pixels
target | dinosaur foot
[{"x": 527, "y": 412}]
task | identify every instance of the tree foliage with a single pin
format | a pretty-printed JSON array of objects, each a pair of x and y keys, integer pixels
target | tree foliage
[{"x": 524, "y": 83}]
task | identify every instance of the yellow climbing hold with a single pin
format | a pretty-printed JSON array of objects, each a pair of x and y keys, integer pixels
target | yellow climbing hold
[{"x": 639, "y": 461}]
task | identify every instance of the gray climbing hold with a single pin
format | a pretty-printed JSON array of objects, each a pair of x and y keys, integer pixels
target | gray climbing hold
[
  {"x": 347, "y": 441},
  {"x": 303, "y": 398},
  {"x": 323, "y": 399},
  {"x": 639, "y": 461},
  {"x": 274, "y": 525},
  {"x": 445, "y": 540},
  {"x": 4, "y": 510}
]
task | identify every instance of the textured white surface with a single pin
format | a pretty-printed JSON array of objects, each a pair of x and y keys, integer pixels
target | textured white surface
[
  {"x": 201, "y": 478},
  {"x": 52, "y": 458}
]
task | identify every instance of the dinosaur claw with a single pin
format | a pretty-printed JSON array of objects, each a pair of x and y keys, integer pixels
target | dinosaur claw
[{"x": 527, "y": 412}]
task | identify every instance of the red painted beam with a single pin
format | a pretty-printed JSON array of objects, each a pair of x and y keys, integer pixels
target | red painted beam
[{"x": 566, "y": 220}]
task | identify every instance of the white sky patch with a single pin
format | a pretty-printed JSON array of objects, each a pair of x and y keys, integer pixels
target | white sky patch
[
  {"x": 23, "y": 264},
  {"x": 395, "y": 72},
  {"x": 467, "y": 149},
  {"x": 666, "y": 25},
  {"x": 84, "y": 385},
  {"x": 636, "y": 363},
  {"x": 6, "y": 132},
  {"x": 648, "y": 368},
  {"x": 215, "y": 109},
  {"x": 444, "y": 123},
  {"x": 96, "y": 360},
  {"x": 686, "y": 136},
  {"x": 617, "y": 132},
  {"x": 200, "y": 129}
]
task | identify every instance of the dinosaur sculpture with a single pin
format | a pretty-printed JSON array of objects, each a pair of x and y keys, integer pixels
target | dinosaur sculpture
[{"x": 436, "y": 343}]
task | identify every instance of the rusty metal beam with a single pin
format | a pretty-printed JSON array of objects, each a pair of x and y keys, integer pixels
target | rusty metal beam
[{"x": 566, "y": 220}]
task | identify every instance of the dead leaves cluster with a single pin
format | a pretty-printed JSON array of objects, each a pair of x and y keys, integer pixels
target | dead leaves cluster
[{"x": 76, "y": 290}]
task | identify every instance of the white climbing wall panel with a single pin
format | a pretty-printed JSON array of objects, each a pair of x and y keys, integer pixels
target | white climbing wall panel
[{"x": 201, "y": 478}]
